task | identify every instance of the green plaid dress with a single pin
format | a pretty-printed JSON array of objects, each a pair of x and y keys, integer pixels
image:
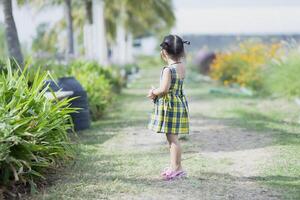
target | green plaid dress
[{"x": 170, "y": 112}]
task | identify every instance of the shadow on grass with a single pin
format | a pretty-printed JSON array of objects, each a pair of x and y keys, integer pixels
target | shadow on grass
[
  {"x": 282, "y": 179},
  {"x": 116, "y": 124},
  {"x": 281, "y": 132},
  {"x": 263, "y": 125},
  {"x": 92, "y": 139},
  {"x": 104, "y": 130},
  {"x": 207, "y": 96},
  {"x": 106, "y": 172},
  {"x": 285, "y": 133},
  {"x": 289, "y": 184}
]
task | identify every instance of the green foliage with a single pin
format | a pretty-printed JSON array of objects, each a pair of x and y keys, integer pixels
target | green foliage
[
  {"x": 45, "y": 39},
  {"x": 140, "y": 17},
  {"x": 3, "y": 48},
  {"x": 282, "y": 77},
  {"x": 33, "y": 130},
  {"x": 57, "y": 70},
  {"x": 130, "y": 69},
  {"x": 100, "y": 84}
]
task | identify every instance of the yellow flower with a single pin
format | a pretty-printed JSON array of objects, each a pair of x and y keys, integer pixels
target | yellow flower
[{"x": 242, "y": 65}]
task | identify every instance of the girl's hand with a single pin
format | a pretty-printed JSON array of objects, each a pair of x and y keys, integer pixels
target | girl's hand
[{"x": 150, "y": 94}]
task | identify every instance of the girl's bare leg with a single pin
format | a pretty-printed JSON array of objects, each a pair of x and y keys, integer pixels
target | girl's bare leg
[{"x": 175, "y": 152}]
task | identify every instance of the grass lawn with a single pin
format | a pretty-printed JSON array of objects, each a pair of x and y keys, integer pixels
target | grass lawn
[{"x": 239, "y": 148}]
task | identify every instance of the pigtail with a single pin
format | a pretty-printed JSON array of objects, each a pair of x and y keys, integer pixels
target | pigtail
[
  {"x": 186, "y": 42},
  {"x": 164, "y": 45}
]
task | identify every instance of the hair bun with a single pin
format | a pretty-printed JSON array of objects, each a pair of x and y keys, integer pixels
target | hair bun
[
  {"x": 186, "y": 42},
  {"x": 164, "y": 45}
]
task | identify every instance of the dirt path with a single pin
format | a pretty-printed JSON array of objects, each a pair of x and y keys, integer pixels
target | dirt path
[
  {"x": 120, "y": 159},
  {"x": 237, "y": 153}
]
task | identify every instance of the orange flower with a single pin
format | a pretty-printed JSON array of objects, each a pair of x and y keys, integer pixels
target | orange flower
[{"x": 243, "y": 65}]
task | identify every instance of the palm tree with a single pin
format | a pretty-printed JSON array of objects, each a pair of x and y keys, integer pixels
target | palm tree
[
  {"x": 136, "y": 18},
  {"x": 88, "y": 11},
  {"x": 68, "y": 14},
  {"x": 140, "y": 17},
  {"x": 12, "y": 38},
  {"x": 68, "y": 5}
]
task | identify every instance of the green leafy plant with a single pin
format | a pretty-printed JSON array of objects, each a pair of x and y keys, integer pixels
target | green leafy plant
[
  {"x": 33, "y": 130},
  {"x": 45, "y": 40},
  {"x": 111, "y": 73},
  {"x": 282, "y": 76},
  {"x": 101, "y": 83},
  {"x": 97, "y": 82},
  {"x": 3, "y": 48}
]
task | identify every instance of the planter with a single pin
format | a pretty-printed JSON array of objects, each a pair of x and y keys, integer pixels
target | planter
[
  {"x": 82, "y": 119},
  {"x": 54, "y": 86}
]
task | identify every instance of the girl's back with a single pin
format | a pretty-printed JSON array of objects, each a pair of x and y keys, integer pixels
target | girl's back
[{"x": 180, "y": 69}]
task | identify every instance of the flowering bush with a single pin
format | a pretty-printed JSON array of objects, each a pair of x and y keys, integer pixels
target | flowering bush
[{"x": 243, "y": 65}]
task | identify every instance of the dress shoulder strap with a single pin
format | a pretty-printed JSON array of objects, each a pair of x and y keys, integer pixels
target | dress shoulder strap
[
  {"x": 173, "y": 76},
  {"x": 173, "y": 72}
]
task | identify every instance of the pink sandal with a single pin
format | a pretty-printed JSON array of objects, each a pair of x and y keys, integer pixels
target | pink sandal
[
  {"x": 171, "y": 175},
  {"x": 166, "y": 171}
]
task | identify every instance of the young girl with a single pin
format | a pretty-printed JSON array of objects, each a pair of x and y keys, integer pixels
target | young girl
[{"x": 170, "y": 115}]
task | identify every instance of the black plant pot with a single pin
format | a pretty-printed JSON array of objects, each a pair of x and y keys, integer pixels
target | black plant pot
[
  {"x": 82, "y": 119},
  {"x": 54, "y": 86}
]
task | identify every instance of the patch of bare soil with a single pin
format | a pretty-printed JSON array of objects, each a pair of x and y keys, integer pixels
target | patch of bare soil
[{"x": 212, "y": 139}]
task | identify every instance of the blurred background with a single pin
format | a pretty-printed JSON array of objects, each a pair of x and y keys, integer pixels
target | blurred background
[
  {"x": 43, "y": 26},
  {"x": 105, "y": 31},
  {"x": 243, "y": 82}
]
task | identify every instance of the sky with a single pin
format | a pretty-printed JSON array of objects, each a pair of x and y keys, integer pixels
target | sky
[
  {"x": 237, "y": 16},
  {"x": 197, "y": 17}
]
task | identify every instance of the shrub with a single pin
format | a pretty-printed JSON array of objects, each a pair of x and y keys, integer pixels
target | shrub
[
  {"x": 130, "y": 68},
  {"x": 33, "y": 130},
  {"x": 282, "y": 76},
  {"x": 243, "y": 65},
  {"x": 98, "y": 84},
  {"x": 111, "y": 73},
  {"x": 56, "y": 70}
]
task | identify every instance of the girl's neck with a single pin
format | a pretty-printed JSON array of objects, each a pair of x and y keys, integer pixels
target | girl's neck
[{"x": 172, "y": 62}]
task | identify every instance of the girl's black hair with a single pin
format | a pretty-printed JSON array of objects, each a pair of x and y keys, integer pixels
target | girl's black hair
[{"x": 174, "y": 45}]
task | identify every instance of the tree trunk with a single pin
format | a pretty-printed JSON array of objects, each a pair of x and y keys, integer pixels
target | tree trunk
[
  {"x": 128, "y": 51},
  {"x": 99, "y": 37},
  {"x": 119, "y": 52},
  {"x": 69, "y": 27},
  {"x": 11, "y": 33},
  {"x": 88, "y": 30},
  {"x": 89, "y": 11}
]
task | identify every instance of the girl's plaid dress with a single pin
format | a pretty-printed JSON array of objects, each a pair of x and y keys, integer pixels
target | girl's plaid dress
[{"x": 170, "y": 113}]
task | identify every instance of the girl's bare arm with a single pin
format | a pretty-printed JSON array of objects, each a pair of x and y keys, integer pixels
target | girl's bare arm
[{"x": 165, "y": 83}]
